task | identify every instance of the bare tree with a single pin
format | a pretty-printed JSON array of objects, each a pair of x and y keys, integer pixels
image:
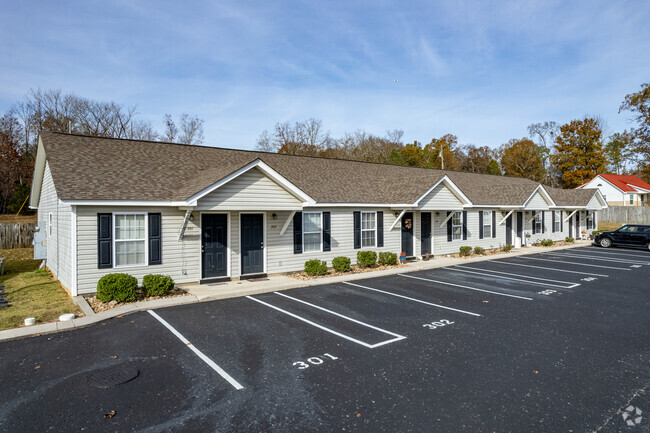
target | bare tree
[{"x": 191, "y": 129}]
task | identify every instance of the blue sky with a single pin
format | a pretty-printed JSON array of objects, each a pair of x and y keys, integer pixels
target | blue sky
[{"x": 480, "y": 70}]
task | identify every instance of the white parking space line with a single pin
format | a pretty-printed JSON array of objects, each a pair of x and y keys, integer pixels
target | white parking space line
[
  {"x": 200, "y": 354},
  {"x": 466, "y": 287},
  {"x": 574, "y": 263},
  {"x": 630, "y": 254},
  {"x": 549, "y": 269},
  {"x": 571, "y": 284},
  {"x": 412, "y": 299},
  {"x": 602, "y": 259},
  {"x": 483, "y": 274},
  {"x": 331, "y": 331}
]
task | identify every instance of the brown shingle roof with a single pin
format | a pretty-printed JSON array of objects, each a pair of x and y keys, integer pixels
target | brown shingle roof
[
  {"x": 97, "y": 168},
  {"x": 571, "y": 197}
]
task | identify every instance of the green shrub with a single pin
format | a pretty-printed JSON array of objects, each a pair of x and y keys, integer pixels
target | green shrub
[
  {"x": 506, "y": 248},
  {"x": 117, "y": 287},
  {"x": 341, "y": 264},
  {"x": 569, "y": 239},
  {"x": 479, "y": 251},
  {"x": 546, "y": 242},
  {"x": 465, "y": 251},
  {"x": 157, "y": 285},
  {"x": 366, "y": 258},
  {"x": 315, "y": 267},
  {"x": 387, "y": 258}
]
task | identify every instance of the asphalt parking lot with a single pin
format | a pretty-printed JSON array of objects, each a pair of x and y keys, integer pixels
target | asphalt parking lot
[{"x": 552, "y": 342}]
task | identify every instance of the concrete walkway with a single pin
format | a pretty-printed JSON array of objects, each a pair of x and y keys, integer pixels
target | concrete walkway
[{"x": 232, "y": 289}]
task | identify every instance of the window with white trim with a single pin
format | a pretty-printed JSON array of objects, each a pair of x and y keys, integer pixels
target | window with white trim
[
  {"x": 538, "y": 222},
  {"x": 457, "y": 226},
  {"x": 49, "y": 225},
  {"x": 631, "y": 198},
  {"x": 558, "y": 216},
  {"x": 312, "y": 232},
  {"x": 129, "y": 239},
  {"x": 368, "y": 229},
  {"x": 487, "y": 223},
  {"x": 590, "y": 220}
]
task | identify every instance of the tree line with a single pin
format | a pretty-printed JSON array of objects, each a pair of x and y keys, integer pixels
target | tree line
[
  {"x": 564, "y": 156},
  {"x": 53, "y": 110}
]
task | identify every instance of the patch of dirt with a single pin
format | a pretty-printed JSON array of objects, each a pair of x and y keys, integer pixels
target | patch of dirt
[
  {"x": 11, "y": 218},
  {"x": 354, "y": 269},
  {"x": 99, "y": 306}
]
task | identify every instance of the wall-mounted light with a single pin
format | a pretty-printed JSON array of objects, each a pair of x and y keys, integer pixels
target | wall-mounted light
[
  {"x": 191, "y": 217},
  {"x": 396, "y": 214},
  {"x": 274, "y": 216}
]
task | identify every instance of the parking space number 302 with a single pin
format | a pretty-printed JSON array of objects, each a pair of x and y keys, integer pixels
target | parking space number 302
[{"x": 438, "y": 324}]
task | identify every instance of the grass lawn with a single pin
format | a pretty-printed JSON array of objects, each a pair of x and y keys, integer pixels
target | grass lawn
[
  {"x": 10, "y": 218},
  {"x": 31, "y": 292}
]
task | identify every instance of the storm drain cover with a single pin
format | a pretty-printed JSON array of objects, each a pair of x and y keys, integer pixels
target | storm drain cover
[{"x": 113, "y": 376}]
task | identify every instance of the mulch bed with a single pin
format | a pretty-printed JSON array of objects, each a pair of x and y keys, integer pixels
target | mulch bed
[
  {"x": 99, "y": 306},
  {"x": 354, "y": 269}
]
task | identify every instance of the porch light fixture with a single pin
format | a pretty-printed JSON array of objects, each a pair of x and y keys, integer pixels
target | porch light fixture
[
  {"x": 396, "y": 214},
  {"x": 274, "y": 216}
]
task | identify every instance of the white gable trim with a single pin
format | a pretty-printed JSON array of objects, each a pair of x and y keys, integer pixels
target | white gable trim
[
  {"x": 39, "y": 173},
  {"x": 261, "y": 165},
  {"x": 544, "y": 195},
  {"x": 452, "y": 187},
  {"x": 638, "y": 188}
]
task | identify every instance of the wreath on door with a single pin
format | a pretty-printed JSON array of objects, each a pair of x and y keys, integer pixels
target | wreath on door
[{"x": 408, "y": 223}]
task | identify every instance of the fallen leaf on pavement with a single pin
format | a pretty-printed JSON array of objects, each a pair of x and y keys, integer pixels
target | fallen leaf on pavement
[
  {"x": 114, "y": 356},
  {"x": 111, "y": 414},
  {"x": 37, "y": 367}
]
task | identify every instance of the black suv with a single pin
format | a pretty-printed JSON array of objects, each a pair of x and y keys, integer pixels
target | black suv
[{"x": 632, "y": 235}]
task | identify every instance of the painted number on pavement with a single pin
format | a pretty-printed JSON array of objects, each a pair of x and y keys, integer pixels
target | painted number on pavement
[
  {"x": 589, "y": 279},
  {"x": 314, "y": 360},
  {"x": 438, "y": 324},
  {"x": 547, "y": 292}
]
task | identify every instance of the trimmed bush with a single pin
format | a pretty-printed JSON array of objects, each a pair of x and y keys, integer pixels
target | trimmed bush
[
  {"x": 506, "y": 248},
  {"x": 569, "y": 239},
  {"x": 366, "y": 258},
  {"x": 117, "y": 287},
  {"x": 387, "y": 259},
  {"x": 341, "y": 264},
  {"x": 546, "y": 242},
  {"x": 479, "y": 251},
  {"x": 465, "y": 251},
  {"x": 315, "y": 267},
  {"x": 157, "y": 285}
]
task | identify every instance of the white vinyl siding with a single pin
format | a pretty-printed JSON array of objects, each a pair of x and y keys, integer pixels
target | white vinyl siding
[
  {"x": 537, "y": 202},
  {"x": 312, "y": 232},
  {"x": 457, "y": 226},
  {"x": 56, "y": 216},
  {"x": 176, "y": 255},
  {"x": 440, "y": 198},
  {"x": 250, "y": 191},
  {"x": 368, "y": 229}
]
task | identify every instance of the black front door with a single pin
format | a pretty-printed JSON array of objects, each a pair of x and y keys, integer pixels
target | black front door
[
  {"x": 252, "y": 244},
  {"x": 577, "y": 225},
  {"x": 509, "y": 230},
  {"x": 407, "y": 234},
  {"x": 425, "y": 227},
  {"x": 520, "y": 226},
  {"x": 214, "y": 248},
  {"x": 571, "y": 226}
]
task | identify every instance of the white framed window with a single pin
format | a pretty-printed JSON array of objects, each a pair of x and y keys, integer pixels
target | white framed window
[
  {"x": 631, "y": 198},
  {"x": 312, "y": 232},
  {"x": 368, "y": 229},
  {"x": 487, "y": 223},
  {"x": 604, "y": 197},
  {"x": 558, "y": 217},
  {"x": 129, "y": 239},
  {"x": 457, "y": 226},
  {"x": 538, "y": 222},
  {"x": 49, "y": 225},
  {"x": 590, "y": 220}
]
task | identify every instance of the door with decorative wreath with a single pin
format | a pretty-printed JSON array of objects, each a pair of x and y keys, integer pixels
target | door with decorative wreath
[{"x": 407, "y": 234}]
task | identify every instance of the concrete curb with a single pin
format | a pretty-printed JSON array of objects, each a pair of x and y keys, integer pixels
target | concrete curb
[{"x": 271, "y": 285}]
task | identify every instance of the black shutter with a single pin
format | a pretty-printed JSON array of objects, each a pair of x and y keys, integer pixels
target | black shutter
[
  {"x": 326, "y": 231},
  {"x": 155, "y": 239},
  {"x": 553, "y": 222},
  {"x": 380, "y": 229},
  {"x": 104, "y": 240},
  {"x": 480, "y": 224},
  {"x": 543, "y": 223},
  {"x": 561, "y": 222},
  {"x": 534, "y": 223},
  {"x": 297, "y": 233},
  {"x": 449, "y": 237},
  {"x": 494, "y": 224},
  {"x": 464, "y": 225},
  {"x": 357, "y": 230}
]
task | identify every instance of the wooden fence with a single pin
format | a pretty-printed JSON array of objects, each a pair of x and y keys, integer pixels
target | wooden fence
[
  {"x": 625, "y": 215},
  {"x": 14, "y": 235}
]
